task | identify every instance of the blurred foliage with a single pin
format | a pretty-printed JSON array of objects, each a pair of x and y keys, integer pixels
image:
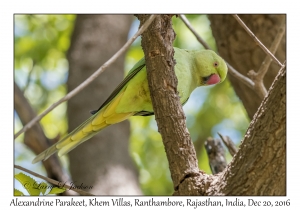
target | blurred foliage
[
  {"x": 41, "y": 71},
  {"x": 41, "y": 67},
  {"x": 41, "y": 42}
]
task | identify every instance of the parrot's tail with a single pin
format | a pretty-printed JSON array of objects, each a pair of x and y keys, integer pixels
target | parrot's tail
[
  {"x": 103, "y": 118},
  {"x": 69, "y": 142}
]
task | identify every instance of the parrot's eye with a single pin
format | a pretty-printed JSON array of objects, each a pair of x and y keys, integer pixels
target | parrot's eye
[{"x": 216, "y": 64}]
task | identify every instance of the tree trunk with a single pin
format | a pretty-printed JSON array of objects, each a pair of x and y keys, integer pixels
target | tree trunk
[
  {"x": 239, "y": 49},
  {"x": 157, "y": 45},
  {"x": 103, "y": 162},
  {"x": 259, "y": 167}
]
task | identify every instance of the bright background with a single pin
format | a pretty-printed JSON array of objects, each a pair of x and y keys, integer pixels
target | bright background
[{"x": 41, "y": 70}]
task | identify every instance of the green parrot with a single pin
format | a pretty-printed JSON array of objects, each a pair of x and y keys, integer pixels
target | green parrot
[{"x": 132, "y": 96}]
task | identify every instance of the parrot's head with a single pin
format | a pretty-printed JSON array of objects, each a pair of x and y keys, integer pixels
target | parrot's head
[{"x": 211, "y": 67}]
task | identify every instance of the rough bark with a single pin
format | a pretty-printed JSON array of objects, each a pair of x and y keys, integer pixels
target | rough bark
[
  {"x": 260, "y": 164},
  {"x": 102, "y": 162},
  {"x": 240, "y": 50},
  {"x": 157, "y": 45},
  {"x": 259, "y": 167}
]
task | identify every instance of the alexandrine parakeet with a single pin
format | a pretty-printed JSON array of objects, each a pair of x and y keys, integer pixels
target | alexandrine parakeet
[{"x": 132, "y": 96}]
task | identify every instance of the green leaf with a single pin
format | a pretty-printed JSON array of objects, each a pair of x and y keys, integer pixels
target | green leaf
[
  {"x": 56, "y": 190},
  {"x": 28, "y": 183},
  {"x": 18, "y": 193}
]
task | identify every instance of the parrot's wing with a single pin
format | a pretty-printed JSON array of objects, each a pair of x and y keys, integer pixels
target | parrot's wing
[{"x": 136, "y": 69}]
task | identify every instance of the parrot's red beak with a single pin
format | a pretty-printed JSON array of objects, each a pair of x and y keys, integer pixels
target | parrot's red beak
[{"x": 212, "y": 79}]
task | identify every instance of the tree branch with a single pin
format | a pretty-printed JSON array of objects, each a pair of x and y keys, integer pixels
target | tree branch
[
  {"x": 54, "y": 182},
  {"x": 157, "y": 45},
  {"x": 199, "y": 38},
  {"x": 88, "y": 80},
  {"x": 260, "y": 163},
  {"x": 258, "y": 76},
  {"x": 256, "y": 39},
  {"x": 229, "y": 144},
  {"x": 259, "y": 167}
]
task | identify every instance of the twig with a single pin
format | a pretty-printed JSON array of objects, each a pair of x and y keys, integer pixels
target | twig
[
  {"x": 245, "y": 80},
  {"x": 256, "y": 39},
  {"x": 90, "y": 79},
  {"x": 216, "y": 155},
  {"x": 258, "y": 76},
  {"x": 52, "y": 181},
  {"x": 248, "y": 82},
  {"x": 264, "y": 67},
  {"x": 188, "y": 24},
  {"x": 229, "y": 144}
]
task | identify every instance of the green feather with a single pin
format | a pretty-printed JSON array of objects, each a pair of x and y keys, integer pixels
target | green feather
[{"x": 132, "y": 96}]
